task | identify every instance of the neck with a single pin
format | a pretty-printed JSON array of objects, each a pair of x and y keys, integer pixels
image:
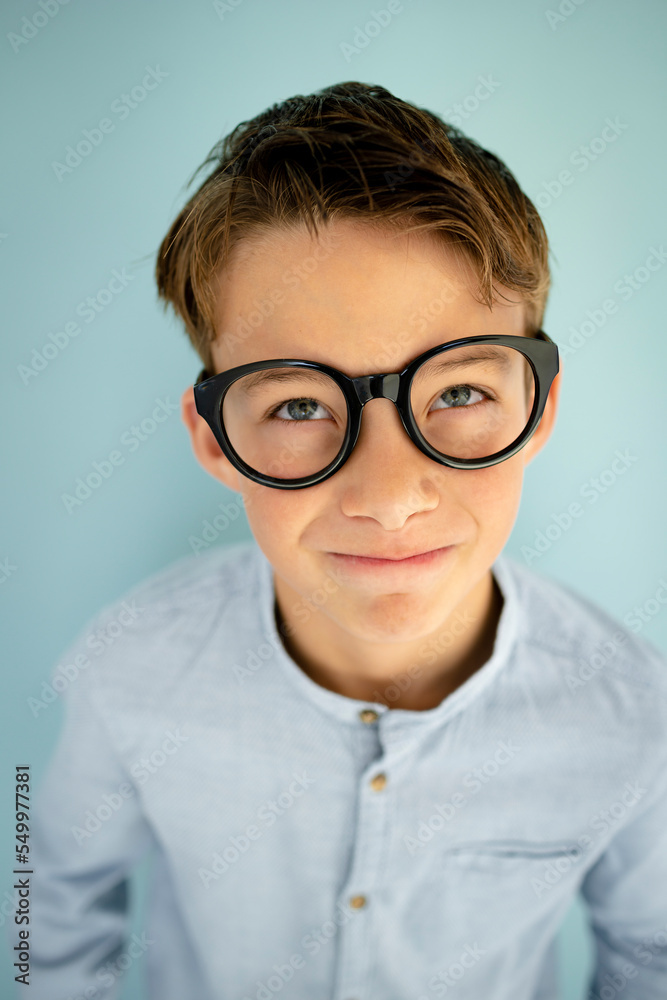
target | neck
[{"x": 416, "y": 674}]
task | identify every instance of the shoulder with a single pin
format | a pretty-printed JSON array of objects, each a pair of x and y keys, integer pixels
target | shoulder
[
  {"x": 189, "y": 588},
  {"x": 602, "y": 686},
  {"x": 560, "y": 619},
  {"x": 151, "y": 632},
  {"x": 196, "y": 580}
]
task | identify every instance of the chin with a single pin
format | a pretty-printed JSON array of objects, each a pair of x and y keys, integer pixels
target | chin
[{"x": 393, "y": 618}]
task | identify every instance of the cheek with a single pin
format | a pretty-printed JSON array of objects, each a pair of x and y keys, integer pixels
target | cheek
[
  {"x": 492, "y": 495},
  {"x": 276, "y": 517}
]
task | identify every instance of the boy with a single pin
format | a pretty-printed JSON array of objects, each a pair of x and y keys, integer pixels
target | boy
[{"x": 373, "y": 758}]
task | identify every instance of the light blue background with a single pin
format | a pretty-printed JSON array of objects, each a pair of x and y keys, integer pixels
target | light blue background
[{"x": 556, "y": 84}]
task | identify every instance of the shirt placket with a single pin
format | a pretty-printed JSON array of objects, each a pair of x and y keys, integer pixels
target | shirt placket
[{"x": 356, "y": 952}]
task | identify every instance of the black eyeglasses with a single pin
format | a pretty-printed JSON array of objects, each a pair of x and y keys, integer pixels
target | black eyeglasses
[{"x": 467, "y": 404}]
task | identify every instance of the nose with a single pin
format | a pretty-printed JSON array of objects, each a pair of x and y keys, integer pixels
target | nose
[{"x": 387, "y": 477}]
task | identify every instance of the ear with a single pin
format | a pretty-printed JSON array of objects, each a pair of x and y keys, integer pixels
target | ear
[
  {"x": 207, "y": 450},
  {"x": 546, "y": 424}
]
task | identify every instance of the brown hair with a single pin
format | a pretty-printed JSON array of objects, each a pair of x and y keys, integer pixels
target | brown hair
[{"x": 355, "y": 151}]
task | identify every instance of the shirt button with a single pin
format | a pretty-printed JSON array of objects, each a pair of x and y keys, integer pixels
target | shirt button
[
  {"x": 367, "y": 715},
  {"x": 378, "y": 782},
  {"x": 356, "y": 902}
]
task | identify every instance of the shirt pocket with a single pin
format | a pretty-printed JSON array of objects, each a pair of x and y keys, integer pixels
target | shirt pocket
[
  {"x": 511, "y": 855},
  {"x": 502, "y": 897},
  {"x": 497, "y": 880}
]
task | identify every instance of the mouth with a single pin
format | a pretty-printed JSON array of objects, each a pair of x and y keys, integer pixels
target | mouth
[{"x": 372, "y": 561}]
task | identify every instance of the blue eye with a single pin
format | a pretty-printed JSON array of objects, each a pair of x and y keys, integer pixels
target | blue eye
[
  {"x": 458, "y": 395},
  {"x": 302, "y": 409}
]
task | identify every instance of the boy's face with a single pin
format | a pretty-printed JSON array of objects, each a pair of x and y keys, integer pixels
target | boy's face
[{"x": 368, "y": 302}]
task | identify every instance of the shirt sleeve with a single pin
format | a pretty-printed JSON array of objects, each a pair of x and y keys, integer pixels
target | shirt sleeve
[
  {"x": 87, "y": 833},
  {"x": 626, "y": 893}
]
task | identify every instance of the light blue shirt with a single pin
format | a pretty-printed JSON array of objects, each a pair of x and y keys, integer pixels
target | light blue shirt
[{"x": 312, "y": 846}]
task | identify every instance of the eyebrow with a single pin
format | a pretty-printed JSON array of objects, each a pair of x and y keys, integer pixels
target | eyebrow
[
  {"x": 493, "y": 358},
  {"x": 258, "y": 380},
  {"x": 497, "y": 359}
]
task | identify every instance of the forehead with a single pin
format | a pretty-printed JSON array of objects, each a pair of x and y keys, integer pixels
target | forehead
[{"x": 357, "y": 294}]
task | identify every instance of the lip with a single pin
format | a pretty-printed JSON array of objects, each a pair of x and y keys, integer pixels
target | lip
[{"x": 375, "y": 562}]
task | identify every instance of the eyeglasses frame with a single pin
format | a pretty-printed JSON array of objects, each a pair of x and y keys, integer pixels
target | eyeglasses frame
[{"x": 540, "y": 351}]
